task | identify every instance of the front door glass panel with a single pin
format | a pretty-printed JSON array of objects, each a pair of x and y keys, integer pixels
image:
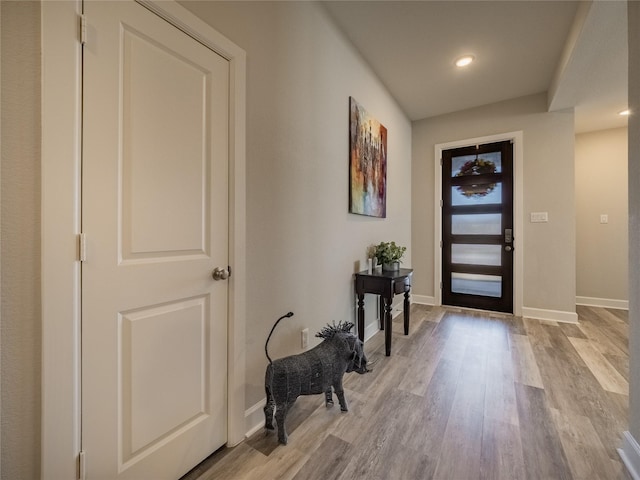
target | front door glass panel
[
  {"x": 476, "y": 194},
  {"x": 473, "y": 284},
  {"x": 476, "y": 224},
  {"x": 476, "y": 254},
  {"x": 465, "y": 165}
]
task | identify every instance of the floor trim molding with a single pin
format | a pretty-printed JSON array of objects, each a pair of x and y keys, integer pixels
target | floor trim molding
[
  {"x": 423, "y": 299},
  {"x": 254, "y": 418},
  {"x": 630, "y": 454},
  {"x": 603, "y": 302},
  {"x": 553, "y": 315}
]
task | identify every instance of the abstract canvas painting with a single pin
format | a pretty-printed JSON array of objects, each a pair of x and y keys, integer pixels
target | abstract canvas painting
[{"x": 367, "y": 163}]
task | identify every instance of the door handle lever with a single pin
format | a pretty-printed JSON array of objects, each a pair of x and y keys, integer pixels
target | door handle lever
[{"x": 221, "y": 273}]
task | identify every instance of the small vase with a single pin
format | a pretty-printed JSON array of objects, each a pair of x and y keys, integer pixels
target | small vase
[{"x": 391, "y": 267}]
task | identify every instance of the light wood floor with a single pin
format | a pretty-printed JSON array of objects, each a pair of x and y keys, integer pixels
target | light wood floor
[{"x": 466, "y": 395}]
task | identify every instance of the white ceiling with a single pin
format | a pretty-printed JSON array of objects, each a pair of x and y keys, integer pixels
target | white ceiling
[{"x": 575, "y": 50}]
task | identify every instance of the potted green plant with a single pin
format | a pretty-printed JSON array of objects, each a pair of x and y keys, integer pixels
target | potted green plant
[{"x": 389, "y": 255}]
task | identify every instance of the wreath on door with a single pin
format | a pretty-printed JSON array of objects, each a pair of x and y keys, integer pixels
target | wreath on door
[{"x": 479, "y": 166}]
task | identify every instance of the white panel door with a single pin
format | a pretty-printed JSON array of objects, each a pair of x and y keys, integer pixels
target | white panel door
[{"x": 155, "y": 219}]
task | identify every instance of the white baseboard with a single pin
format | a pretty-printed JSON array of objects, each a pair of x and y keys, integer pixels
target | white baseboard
[
  {"x": 553, "y": 315},
  {"x": 371, "y": 329},
  {"x": 630, "y": 454},
  {"x": 254, "y": 418},
  {"x": 603, "y": 302},
  {"x": 423, "y": 299}
]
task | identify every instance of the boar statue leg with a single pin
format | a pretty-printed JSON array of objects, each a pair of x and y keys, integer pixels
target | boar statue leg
[
  {"x": 337, "y": 386},
  {"x": 281, "y": 415},
  {"x": 268, "y": 409},
  {"x": 328, "y": 397}
]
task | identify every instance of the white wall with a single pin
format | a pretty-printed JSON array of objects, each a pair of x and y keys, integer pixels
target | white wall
[
  {"x": 548, "y": 142},
  {"x": 20, "y": 240},
  {"x": 601, "y": 188},
  {"x": 302, "y": 244}
]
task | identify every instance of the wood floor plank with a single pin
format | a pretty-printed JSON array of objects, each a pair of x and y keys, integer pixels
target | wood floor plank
[
  {"x": 426, "y": 359},
  {"x": 619, "y": 471},
  {"x": 585, "y": 452},
  {"x": 427, "y": 364},
  {"x": 604, "y": 372},
  {"x": 308, "y": 436},
  {"x": 620, "y": 363},
  {"x": 414, "y": 342},
  {"x": 564, "y": 373},
  {"x": 617, "y": 329},
  {"x": 600, "y": 340},
  {"x": 501, "y": 457},
  {"x": 283, "y": 464},
  {"x": 344, "y": 427},
  {"x": 374, "y": 386},
  {"x": 379, "y": 441},
  {"x": 266, "y": 442},
  {"x": 429, "y": 426},
  {"x": 538, "y": 335},
  {"x": 500, "y": 394},
  {"x": 572, "y": 388},
  {"x": 516, "y": 325},
  {"x": 435, "y": 314},
  {"x": 595, "y": 329},
  {"x": 525, "y": 367},
  {"x": 463, "y": 435},
  {"x": 498, "y": 335},
  {"x": 610, "y": 416},
  {"x": 571, "y": 330},
  {"x": 229, "y": 464},
  {"x": 623, "y": 315},
  {"x": 544, "y": 456},
  {"x": 331, "y": 458}
]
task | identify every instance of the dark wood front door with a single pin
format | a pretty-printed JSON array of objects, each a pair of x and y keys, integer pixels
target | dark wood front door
[{"x": 477, "y": 227}]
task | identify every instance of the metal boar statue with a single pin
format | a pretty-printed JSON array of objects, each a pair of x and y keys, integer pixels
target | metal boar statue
[{"x": 312, "y": 372}]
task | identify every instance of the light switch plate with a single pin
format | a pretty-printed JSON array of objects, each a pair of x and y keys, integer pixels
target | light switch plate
[
  {"x": 539, "y": 217},
  {"x": 604, "y": 218}
]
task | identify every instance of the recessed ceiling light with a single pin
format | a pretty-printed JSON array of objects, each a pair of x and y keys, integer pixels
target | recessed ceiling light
[
  {"x": 465, "y": 60},
  {"x": 625, "y": 112}
]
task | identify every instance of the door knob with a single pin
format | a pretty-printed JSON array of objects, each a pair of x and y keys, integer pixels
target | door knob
[
  {"x": 221, "y": 273},
  {"x": 508, "y": 248}
]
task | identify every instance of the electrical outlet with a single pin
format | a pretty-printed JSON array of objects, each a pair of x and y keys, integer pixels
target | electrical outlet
[
  {"x": 304, "y": 338},
  {"x": 604, "y": 218}
]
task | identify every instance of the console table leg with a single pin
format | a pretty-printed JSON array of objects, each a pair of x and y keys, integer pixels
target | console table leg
[
  {"x": 361, "y": 317},
  {"x": 381, "y": 310},
  {"x": 387, "y": 327},
  {"x": 407, "y": 308}
]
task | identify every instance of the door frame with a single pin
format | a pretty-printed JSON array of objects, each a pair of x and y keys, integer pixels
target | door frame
[
  {"x": 60, "y": 219},
  {"x": 517, "y": 139}
]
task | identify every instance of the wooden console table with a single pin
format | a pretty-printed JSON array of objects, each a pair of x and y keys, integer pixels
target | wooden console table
[{"x": 385, "y": 284}]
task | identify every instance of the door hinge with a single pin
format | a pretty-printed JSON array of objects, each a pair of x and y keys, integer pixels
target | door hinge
[
  {"x": 81, "y": 465},
  {"x": 83, "y": 29},
  {"x": 441, "y": 204},
  {"x": 82, "y": 247},
  {"x": 440, "y": 243},
  {"x": 440, "y": 162},
  {"x": 440, "y": 285}
]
